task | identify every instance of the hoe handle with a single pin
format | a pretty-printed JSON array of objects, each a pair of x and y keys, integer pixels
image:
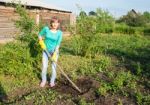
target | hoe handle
[{"x": 64, "y": 74}]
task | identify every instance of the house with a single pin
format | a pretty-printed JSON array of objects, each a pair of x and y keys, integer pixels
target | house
[{"x": 38, "y": 10}]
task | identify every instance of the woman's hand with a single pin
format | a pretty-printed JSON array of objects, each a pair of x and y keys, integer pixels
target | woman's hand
[
  {"x": 42, "y": 44},
  {"x": 54, "y": 57}
]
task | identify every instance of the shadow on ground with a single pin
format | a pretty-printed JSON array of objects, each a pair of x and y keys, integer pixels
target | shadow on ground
[
  {"x": 137, "y": 61},
  {"x": 3, "y": 95}
]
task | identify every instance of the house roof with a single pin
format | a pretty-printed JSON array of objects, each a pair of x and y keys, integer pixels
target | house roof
[{"x": 36, "y": 3}]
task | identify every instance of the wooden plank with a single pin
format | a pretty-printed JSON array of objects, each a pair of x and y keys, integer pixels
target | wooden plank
[
  {"x": 7, "y": 10},
  {"x": 4, "y": 19},
  {"x": 8, "y": 21},
  {"x": 6, "y": 15},
  {"x": 7, "y": 24},
  {"x": 8, "y": 29},
  {"x": 8, "y": 18},
  {"x": 9, "y": 35},
  {"x": 7, "y": 32}
]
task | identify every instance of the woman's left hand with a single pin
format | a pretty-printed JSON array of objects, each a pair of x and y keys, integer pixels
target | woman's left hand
[{"x": 54, "y": 57}]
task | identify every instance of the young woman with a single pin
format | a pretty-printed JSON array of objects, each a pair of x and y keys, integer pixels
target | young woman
[{"x": 50, "y": 39}]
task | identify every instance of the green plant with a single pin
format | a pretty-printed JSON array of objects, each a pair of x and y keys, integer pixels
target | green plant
[
  {"x": 139, "y": 98},
  {"x": 25, "y": 23},
  {"x": 18, "y": 59},
  {"x": 91, "y": 66},
  {"x": 139, "y": 70},
  {"x": 103, "y": 89},
  {"x": 146, "y": 31},
  {"x": 146, "y": 100},
  {"x": 87, "y": 28},
  {"x": 101, "y": 63},
  {"x": 82, "y": 102},
  {"x": 122, "y": 79},
  {"x": 120, "y": 102}
]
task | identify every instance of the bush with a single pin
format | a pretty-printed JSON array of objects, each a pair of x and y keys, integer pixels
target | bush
[
  {"x": 87, "y": 28},
  {"x": 16, "y": 60},
  {"x": 109, "y": 30},
  {"x": 146, "y": 31},
  {"x": 95, "y": 65},
  {"x": 121, "y": 80},
  {"x": 125, "y": 30},
  {"x": 103, "y": 89},
  {"x": 20, "y": 58}
]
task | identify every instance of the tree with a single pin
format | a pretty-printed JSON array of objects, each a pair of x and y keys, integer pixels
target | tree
[
  {"x": 133, "y": 19},
  {"x": 92, "y": 13},
  {"x": 147, "y": 17},
  {"x": 82, "y": 14},
  {"x": 146, "y": 14},
  {"x": 105, "y": 20}
]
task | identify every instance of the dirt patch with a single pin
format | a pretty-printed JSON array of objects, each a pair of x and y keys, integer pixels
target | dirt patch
[
  {"x": 63, "y": 87},
  {"x": 88, "y": 86},
  {"x": 85, "y": 84}
]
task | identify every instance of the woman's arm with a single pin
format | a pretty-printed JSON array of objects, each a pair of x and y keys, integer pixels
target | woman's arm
[
  {"x": 42, "y": 33},
  {"x": 57, "y": 48},
  {"x": 58, "y": 42},
  {"x": 40, "y": 37}
]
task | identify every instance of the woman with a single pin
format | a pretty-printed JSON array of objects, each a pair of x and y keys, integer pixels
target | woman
[{"x": 50, "y": 39}]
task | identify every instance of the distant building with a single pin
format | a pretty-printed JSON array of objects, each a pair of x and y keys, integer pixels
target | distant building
[
  {"x": 40, "y": 11},
  {"x": 134, "y": 13}
]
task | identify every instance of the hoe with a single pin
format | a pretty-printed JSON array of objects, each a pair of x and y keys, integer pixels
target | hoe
[{"x": 64, "y": 74}]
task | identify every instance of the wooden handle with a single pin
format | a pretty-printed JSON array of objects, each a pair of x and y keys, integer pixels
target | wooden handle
[{"x": 65, "y": 75}]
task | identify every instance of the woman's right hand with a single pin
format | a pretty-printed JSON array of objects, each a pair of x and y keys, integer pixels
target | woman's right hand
[{"x": 42, "y": 44}]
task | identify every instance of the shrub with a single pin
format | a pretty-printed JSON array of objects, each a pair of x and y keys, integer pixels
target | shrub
[
  {"x": 19, "y": 58},
  {"x": 87, "y": 28},
  {"x": 103, "y": 89},
  {"x": 94, "y": 65},
  {"x": 146, "y": 31},
  {"x": 16, "y": 60}
]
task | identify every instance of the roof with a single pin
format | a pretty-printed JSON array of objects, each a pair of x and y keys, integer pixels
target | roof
[{"x": 36, "y": 3}]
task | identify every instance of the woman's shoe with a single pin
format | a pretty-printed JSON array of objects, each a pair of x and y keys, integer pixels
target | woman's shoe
[
  {"x": 42, "y": 84},
  {"x": 52, "y": 84}
]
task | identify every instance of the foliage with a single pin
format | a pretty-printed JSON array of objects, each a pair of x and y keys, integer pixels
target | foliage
[
  {"x": 23, "y": 55},
  {"x": 82, "y": 14},
  {"x": 104, "y": 21},
  {"x": 19, "y": 61},
  {"x": 146, "y": 31},
  {"x": 146, "y": 15},
  {"x": 94, "y": 66},
  {"x": 92, "y": 13},
  {"x": 119, "y": 63},
  {"x": 26, "y": 24},
  {"x": 104, "y": 88},
  {"x": 121, "y": 80},
  {"x": 134, "y": 19},
  {"x": 87, "y": 27}
]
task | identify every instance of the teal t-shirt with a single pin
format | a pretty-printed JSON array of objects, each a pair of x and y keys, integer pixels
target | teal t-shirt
[{"x": 51, "y": 39}]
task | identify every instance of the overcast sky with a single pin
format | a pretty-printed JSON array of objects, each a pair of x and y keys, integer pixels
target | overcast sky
[{"x": 115, "y": 7}]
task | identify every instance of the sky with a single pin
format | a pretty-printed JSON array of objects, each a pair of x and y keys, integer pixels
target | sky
[{"x": 116, "y": 7}]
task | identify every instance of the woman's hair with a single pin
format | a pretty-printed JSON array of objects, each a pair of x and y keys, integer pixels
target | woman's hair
[{"x": 54, "y": 19}]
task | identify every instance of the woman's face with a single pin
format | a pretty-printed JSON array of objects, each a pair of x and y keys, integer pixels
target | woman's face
[{"x": 55, "y": 25}]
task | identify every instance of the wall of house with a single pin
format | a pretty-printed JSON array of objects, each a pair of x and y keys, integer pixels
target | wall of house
[
  {"x": 7, "y": 25},
  {"x": 46, "y": 15},
  {"x": 8, "y": 18}
]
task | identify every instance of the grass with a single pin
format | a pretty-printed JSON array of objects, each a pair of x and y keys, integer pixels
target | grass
[{"x": 120, "y": 66}]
